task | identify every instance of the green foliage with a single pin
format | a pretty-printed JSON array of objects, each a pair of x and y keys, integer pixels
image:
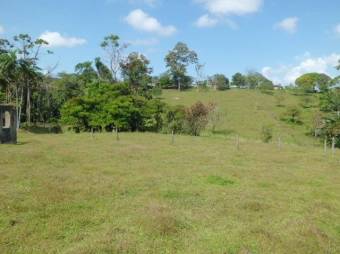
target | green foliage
[
  {"x": 239, "y": 80},
  {"x": 267, "y": 133},
  {"x": 330, "y": 101},
  {"x": 104, "y": 73},
  {"x": 219, "y": 82},
  {"x": 165, "y": 80},
  {"x": 255, "y": 80},
  {"x": 331, "y": 128},
  {"x": 306, "y": 101},
  {"x": 292, "y": 115},
  {"x": 86, "y": 73},
  {"x": 174, "y": 119},
  {"x": 312, "y": 82},
  {"x": 105, "y": 106},
  {"x": 136, "y": 71},
  {"x": 177, "y": 61}
]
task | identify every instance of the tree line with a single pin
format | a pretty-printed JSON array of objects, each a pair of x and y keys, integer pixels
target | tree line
[{"x": 120, "y": 93}]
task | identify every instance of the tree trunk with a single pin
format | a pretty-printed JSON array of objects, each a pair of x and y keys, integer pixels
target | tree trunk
[
  {"x": 117, "y": 134},
  {"x": 28, "y": 106},
  {"x": 20, "y": 107}
]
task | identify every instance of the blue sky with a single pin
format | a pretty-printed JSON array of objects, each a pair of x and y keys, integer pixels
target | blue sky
[{"x": 280, "y": 38}]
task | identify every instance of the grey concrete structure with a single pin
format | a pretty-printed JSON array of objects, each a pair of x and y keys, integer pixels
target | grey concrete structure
[{"x": 8, "y": 124}]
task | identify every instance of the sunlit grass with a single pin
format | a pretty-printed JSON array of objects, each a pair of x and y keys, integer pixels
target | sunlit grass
[
  {"x": 76, "y": 194},
  {"x": 245, "y": 112}
]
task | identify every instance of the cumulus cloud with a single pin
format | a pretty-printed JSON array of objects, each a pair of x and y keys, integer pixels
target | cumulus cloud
[
  {"x": 144, "y": 42},
  {"x": 206, "y": 21},
  {"x": 55, "y": 39},
  {"x": 231, "y": 7},
  {"x": 2, "y": 29},
  {"x": 289, "y": 25},
  {"x": 219, "y": 9},
  {"x": 287, "y": 74},
  {"x": 142, "y": 21}
]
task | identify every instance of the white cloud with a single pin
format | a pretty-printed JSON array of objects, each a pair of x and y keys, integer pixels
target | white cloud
[
  {"x": 219, "y": 9},
  {"x": 142, "y": 21},
  {"x": 206, "y": 21},
  {"x": 2, "y": 29},
  {"x": 289, "y": 25},
  {"x": 144, "y": 42},
  {"x": 231, "y": 7},
  {"x": 55, "y": 39},
  {"x": 337, "y": 29},
  {"x": 287, "y": 74}
]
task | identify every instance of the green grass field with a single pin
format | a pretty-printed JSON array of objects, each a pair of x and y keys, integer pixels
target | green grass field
[
  {"x": 71, "y": 193},
  {"x": 244, "y": 112}
]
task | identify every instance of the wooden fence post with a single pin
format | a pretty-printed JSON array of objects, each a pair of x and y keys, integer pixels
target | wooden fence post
[
  {"x": 325, "y": 146},
  {"x": 333, "y": 146},
  {"x": 172, "y": 137},
  {"x": 238, "y": 142}
]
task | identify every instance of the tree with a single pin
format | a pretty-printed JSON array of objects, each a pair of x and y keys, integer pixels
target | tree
[
  {"x": 27, "y": 51},
  {"x": 86, "y": 72},
  {"x": 219, "y": 82},
  {"x": 330, "y": 101},
  {"x": 114, "y": 51},
  {"x": 103, "y": 71},
  {"x": 239, "y": 80},
  {"x": 136, "y": 71},
  {"x": 257, "y": 80},
  {"x": 165, "y": 80},
  {"x": 311, "y": 82},
  {"x": 177, "y": 60}
]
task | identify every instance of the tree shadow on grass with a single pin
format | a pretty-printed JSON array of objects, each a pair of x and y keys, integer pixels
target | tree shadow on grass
[
  {"x": 225, "y": 132},
  {"x": 43, "y": 129}
]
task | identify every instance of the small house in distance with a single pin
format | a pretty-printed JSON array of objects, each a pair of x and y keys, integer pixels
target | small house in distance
[{"x": 8, "y": 124}]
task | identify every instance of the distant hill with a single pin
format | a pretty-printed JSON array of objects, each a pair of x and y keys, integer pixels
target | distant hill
[{"x": 245, "y": 112}]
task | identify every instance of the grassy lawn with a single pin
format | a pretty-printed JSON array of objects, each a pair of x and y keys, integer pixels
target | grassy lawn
[{"x": 76, "y": 194}]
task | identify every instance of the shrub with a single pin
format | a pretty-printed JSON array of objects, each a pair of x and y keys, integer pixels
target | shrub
[
  {"x": 292, "y": 115},
  {"x": 174, "y": 120},
  {"x": 267, "y": 134},
  {"x": 196, "y": 118}
]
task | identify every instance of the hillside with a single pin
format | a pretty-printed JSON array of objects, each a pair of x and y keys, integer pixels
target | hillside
[
  {"x": 72, "y": 193},
  {"x": 245, "y": 112}
]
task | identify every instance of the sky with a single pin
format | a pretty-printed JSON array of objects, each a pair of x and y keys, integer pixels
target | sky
[{"x": 282, "y": 39}]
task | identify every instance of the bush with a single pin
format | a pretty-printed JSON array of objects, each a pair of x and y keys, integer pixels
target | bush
[
  {"x": 174, "y": 120},
  {"x": 267, "y": 134},
  {"x": 196, "y": 118},
  {"x": 292, "y": 115}
]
